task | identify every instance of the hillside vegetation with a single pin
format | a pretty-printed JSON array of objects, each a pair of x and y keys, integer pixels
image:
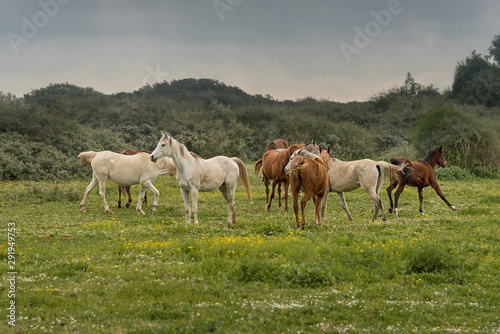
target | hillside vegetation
[{"x": 42, "y": 132}]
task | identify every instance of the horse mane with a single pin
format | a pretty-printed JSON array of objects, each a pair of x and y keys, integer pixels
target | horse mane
[
  {"x": 284, "y": 156},
  {"x": 87, "y": 157},
  {"x": 183, "y": 149},
  {"x": 430, "y": 154}
]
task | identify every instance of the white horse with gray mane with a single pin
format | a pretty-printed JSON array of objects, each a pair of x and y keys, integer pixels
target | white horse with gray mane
[
  {"x": 345, "y": 176},
  {"x": 196, "y": 174},
  {"x": 125, "y": 170}
]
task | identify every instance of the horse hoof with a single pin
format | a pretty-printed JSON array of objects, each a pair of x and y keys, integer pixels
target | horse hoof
[
  {"x": 127, "y": 205},
  {"x": 453, "y": 208},
  {"x": 390, "y": 210},
  {"x": 83, "y": 211}
]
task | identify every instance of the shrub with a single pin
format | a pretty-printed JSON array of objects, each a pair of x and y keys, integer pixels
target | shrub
[{"x": 467, "y": 140}]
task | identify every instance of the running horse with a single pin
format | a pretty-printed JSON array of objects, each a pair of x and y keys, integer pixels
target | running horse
[
  {"x": 272, "y": 164},
  {"x": 125, "y": 190},
  {"x": 418, "y": 174},
  {"x": 196, "y": 174},
  {"x": 310, "y": 176}
]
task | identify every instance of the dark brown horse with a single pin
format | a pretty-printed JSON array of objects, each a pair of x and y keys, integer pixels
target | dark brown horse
[
  {"x": 418, "y": 174},
  {"x": 125, "y": 190},
  {"x": 277, "y": 144},
  {"x": 273, "y": 164},
  {"x": 310, "y": 176}
]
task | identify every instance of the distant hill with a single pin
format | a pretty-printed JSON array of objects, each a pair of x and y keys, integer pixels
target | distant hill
[{"x": 42, "y": 132}]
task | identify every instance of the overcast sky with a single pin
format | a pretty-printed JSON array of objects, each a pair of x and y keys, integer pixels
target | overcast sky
[{"x": 339, "y": 50}]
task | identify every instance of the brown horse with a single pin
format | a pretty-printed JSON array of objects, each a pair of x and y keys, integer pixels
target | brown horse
[
  {"x": 273, "y": 163},
  {"x": 418, "y": 174},
  {"x": 310, "y": 176},
  {"x": 277, "y": 144},
  {"x": 125, "y": 190}
]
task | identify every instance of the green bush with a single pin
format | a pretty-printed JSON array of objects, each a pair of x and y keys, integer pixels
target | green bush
[{"x": 467, "y": 140}]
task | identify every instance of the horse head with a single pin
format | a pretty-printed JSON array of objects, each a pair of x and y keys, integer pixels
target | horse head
[
  {"x": 324, "y": 155},
  {"x": 163, "y": 148},
  {"x": 441, "y": 161}
]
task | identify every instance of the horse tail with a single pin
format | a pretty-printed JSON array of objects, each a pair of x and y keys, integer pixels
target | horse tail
[
  {"x": 380, "y": 178},
  {"x": 244, "y": 176},
  {"x": 258, "y": 166},
  {"x": 87, "y": 157}
]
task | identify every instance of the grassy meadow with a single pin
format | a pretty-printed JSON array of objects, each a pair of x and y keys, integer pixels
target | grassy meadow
[{"x": 123, "y": 272}]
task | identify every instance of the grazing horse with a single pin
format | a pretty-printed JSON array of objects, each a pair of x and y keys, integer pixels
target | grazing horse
[
  {"x": 418, "y": 174},
  {"x": 125, "y": 170},
  {"x": 125, "y": 190},
  {"x": 277, "y": 144},
  {"x": 196, "y": 174},
  {"x": 345, "y": 176},
  {"x": 273, "y": 163},
  {"x": 310, "y": 176}
]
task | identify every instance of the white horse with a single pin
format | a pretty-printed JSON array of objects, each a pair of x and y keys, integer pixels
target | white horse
[
  {"x": 345, "y": 176},
  {"x": 125, "y": 170},
  {"x": 196, "y": 174}
]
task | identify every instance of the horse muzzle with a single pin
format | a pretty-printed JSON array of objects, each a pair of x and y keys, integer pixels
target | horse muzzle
[{"x": 153, "y": 158}]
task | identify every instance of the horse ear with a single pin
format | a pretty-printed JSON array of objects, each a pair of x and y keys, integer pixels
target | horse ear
[
  {"x": 320, "y": 149},
  {"x": 328, "y": 149}
]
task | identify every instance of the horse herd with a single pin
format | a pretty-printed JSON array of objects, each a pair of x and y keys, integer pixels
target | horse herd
[{"x": 302, "y": 168}]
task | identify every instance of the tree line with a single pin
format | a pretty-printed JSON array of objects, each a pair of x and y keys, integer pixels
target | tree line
[{"x": 42, "y": 132}]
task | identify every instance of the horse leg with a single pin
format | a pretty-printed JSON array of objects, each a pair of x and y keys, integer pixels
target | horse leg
[
  {"x": 279, "y": 196},
  {"x": 149, "y": 185},
  {"x": 141, "y": 199},
  {"x": 268, "y": 206},
  {"x": 187, "y": 207},
  {"x": 398, "y": 192},
  {"x": 303, "y": 203},
  {"x": 194, "y": 204},
  {"x": 285, "y": 195},
  {"x": 420, "y": 199},
  {"x": 389, "y": 189},
  {"x": 146, "y": 198},
  {"x": 323, "y": 205},
  {"x": 378, "y": 206},
  {"x": 295, "y": 198},
  {"x": 344, "y": 205},
  {"x": 229, "y": 196},
  {"x": 102, "y": 193},
  {"x": 90, "y": 187},
  {"x": 435, "y": 186},
  {"x": 119, "y": 197},
  {"x": 317, "y": 208},
  {"x": 127, "y": 189},
  {"x": 373, "y": 193}
]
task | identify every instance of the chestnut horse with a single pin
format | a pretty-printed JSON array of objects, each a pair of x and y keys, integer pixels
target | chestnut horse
[
  {"x": 310, "y": 176},
  {"x": 418, "y": 174},
  {"x": 273, "y": 163},
  {"x": 277, "y": 144},
  {"x": 125, "y": 190}
]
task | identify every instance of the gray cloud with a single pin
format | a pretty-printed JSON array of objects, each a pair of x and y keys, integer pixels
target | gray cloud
[{"x": 285, "y": 48}]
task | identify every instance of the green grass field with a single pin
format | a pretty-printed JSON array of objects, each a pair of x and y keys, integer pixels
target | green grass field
[{"x": 122, "y": 272}]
